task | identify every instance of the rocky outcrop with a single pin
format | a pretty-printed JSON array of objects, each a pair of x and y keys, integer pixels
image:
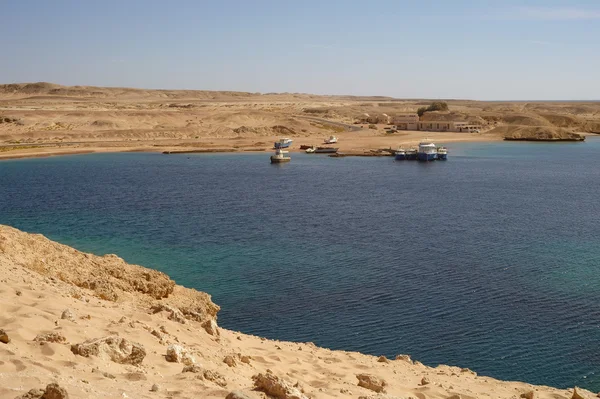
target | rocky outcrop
[
  {"x": 538, "y": 133},
  {"x": 371, "y": 382},
  {"x": 179, "y": 354},
  {"x": 108, "y": 277},
  {"x": 114, "y": 348},
  {"x": 276, "y": 387}
]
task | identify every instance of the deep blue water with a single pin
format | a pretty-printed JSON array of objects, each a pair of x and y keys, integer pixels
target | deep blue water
[{"x": 489, "y": 261}]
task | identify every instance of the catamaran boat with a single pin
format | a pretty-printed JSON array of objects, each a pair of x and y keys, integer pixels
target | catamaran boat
[
  {"x": 331, "y": 140},
  {"x": 427, "y": 151},
  {"x": 283, "y": 143},
  {"x": 280, "y": 156},
  {"x": 442, "y": 153},
  {"x": 400, "y": 154}
]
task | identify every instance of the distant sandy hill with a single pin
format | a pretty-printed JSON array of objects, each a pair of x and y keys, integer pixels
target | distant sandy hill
[{"x": 67, "y": 119}]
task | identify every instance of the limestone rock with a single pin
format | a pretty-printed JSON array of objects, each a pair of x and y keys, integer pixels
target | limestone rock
[
  {"x": 455, "y": 396},
  {"x": 276, "y": 387},
  {"x": 528, "y": 395},
  {"x": 193, "y": 368},
  {"x": 54, "y": 337},
  {"x": 174, "y": 313},
  {"x": 4, "y": 338},
  {"x": 371, "y": 382},
  {"x": 67, "y": 314},
  {"x": 211, "y": 327},
  {"x": 214, "y": 377},
  {"x": 178, "y": 354},
  {"x": 405, "y": 358},
  {"x": 230, "y": 361},
  {"x": 383, "y": 359},
  {"x": 576, "y": 394},
  {"x": 425, "y": 381},
  {"x": 154, "y": 388},
  {"x": 118, "y": 350},
  {"x": 32, "y": 394},
  {"x": 239, "y": 395},
  {"x": 244, "y": 359},
  {"x": 54, "y": 391}
]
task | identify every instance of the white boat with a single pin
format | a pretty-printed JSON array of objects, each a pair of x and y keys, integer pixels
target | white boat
[
  {"x": 283, "y": 143},
  {"x": 442, "y": 153},
  {"x": 310, "y": 150},
  {"x": 280, "y": 157},
  {"x": 400, "y": 154},
  {"x": 411, "y": 154},
  {"x": 427, "y": 151},
  {"x": 331, "y": 140}
]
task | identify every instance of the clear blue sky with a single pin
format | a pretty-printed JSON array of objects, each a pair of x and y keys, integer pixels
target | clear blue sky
[{"x": 483, "y": 50}]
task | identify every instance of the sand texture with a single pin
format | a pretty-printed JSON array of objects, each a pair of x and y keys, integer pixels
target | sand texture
[
  {"x": 96, "y": 327},
  {"x": 40, "y": 119}
]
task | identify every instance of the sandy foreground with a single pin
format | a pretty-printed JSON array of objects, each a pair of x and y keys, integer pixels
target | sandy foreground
[{"x": 53, "y": 298}]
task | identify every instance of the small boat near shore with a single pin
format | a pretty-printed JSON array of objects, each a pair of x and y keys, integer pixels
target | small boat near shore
[
  {"x": 400, "y": 154},
  {"x": 283, "y": 143},
  {"x": 442, "y": 153},
  {"x": 310, "y": 150},
  {"x": 326, "y": 150},
  {"x": 331, "y": 140},
  {"x": 411, "y": 154},
  {"x": 280, "y": 156}
]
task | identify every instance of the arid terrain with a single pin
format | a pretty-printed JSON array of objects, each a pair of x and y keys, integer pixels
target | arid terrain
[
  {"x": 78, "y": 325},
  {"x": 44, "y": 119}
]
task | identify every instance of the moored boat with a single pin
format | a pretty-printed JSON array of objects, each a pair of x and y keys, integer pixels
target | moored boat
[
  {"x": 280, "y": 156},
  {"x": 326, "y": 150},
  {"x": 400, "y": 155},
  {"x": 411, "y": 154},
  {"x": 310, "y": 150},
  {"x": 331, "y": 140},
  {"x": 427, "y": 151},
  {"x": 442, "y": 153},
  {"x": 283, "y": 143}
]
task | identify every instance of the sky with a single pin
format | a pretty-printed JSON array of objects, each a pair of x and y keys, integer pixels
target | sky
[{"x": 482, "y": 50}]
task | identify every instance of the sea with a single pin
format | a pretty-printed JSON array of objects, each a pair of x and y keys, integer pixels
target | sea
[{"x": 490, "y": 260}]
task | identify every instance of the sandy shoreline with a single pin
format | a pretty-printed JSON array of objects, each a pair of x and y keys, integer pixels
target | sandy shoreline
[{"x": 349, "y": 142}]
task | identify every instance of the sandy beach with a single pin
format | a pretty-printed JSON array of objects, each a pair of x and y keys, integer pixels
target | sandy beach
[{"x": 100, "y": 328}]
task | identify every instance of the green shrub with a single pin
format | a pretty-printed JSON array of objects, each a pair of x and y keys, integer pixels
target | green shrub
[{"x": 434, "y": 106}]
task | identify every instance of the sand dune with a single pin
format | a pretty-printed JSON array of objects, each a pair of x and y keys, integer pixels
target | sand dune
[{"x": 94, "y": 327}]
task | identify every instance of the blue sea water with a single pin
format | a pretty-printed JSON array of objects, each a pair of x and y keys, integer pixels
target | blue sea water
[{"x": 490, "y": 260}]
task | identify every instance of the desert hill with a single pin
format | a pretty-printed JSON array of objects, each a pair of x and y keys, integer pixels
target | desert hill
[
  {"x": 86, "y": 118},
  {"x": 77, "y": 325}
]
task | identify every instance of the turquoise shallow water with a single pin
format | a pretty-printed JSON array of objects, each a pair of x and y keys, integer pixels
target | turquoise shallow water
[{"x": 489, "y": 260}]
